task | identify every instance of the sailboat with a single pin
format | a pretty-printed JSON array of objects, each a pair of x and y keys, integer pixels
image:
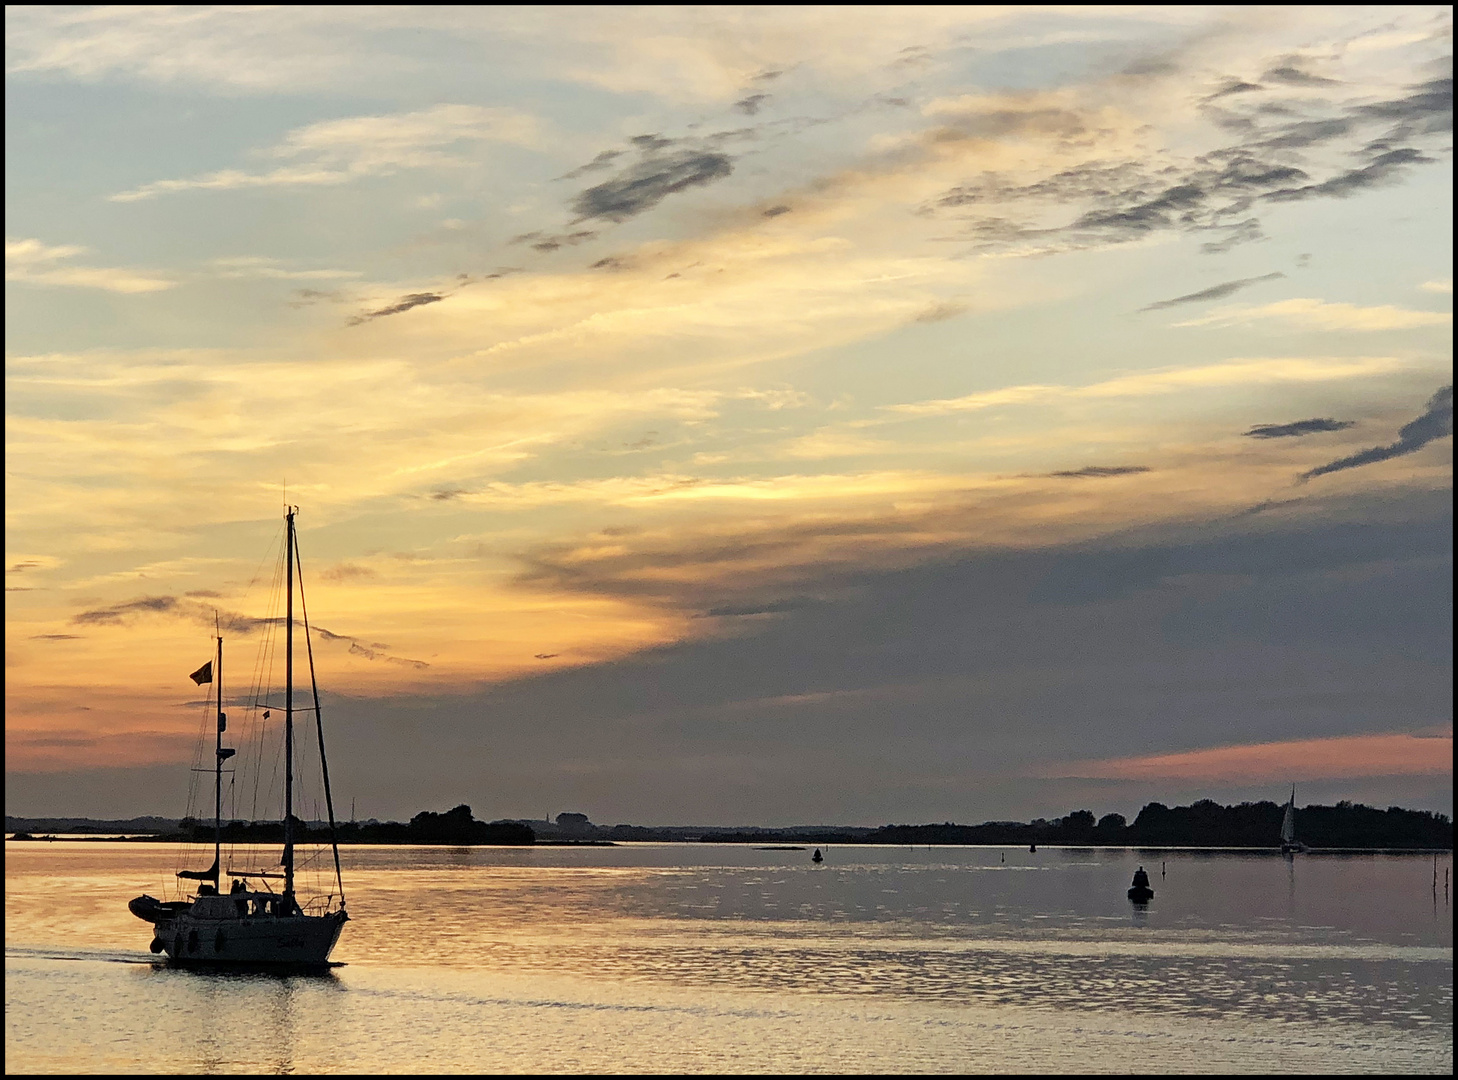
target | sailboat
[
  {"x": 252, "y": 925},
  {"x": 1289, "y": 844}
]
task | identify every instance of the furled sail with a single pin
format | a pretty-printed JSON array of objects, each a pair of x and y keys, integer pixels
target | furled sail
[
  {"x": 210, "y": 874},
  {"x": 1288, "y": 823}
]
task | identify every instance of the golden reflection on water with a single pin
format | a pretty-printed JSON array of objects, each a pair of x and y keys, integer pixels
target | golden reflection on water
[{"x": 711, "y": 958}]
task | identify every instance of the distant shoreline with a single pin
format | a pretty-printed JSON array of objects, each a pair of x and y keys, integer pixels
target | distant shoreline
[
  {"x": 1272, "y": 850},
  {"x": 1203, "y": 826}
]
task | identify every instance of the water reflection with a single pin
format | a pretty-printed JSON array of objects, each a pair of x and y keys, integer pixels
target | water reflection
[
  {"x": 240, "y": 1021},
  {"x": 663, "y": 937}
]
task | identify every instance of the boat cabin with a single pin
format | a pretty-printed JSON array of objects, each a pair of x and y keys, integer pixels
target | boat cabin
[{"x": 241, "y": 904}]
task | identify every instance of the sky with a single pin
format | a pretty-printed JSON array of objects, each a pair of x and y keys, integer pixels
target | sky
[{"x": 724, "y": 415}]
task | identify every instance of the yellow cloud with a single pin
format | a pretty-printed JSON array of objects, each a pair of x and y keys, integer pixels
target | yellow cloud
[
  {"x": 1241, "y": 372},
  {"x": 31, "y": 261}
]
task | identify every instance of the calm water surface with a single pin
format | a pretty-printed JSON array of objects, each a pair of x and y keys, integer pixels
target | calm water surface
[{"x": 712, "y": 958}]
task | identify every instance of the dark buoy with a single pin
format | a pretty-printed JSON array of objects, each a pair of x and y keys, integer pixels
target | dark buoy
[
  {"x": 1139, "y": 891},
  {"x": 817, "y": 857},
  {"x": 1032, "y": 847}
]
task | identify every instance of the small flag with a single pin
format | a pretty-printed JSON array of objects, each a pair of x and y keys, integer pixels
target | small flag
[
  {"x": 203, "y": 674},
  {"x": 266, "y": 714}
]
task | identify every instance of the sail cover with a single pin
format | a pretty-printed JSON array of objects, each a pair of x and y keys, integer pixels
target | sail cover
[{"x": 210, "y": 874}]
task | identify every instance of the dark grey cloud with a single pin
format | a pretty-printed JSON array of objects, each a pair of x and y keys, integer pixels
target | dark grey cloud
[
  {"x": 775, "y": 211},
  {"x": 1102, "y": 470},
  {"x": 602, "y": 161},
  {"x": 927, "y": 693},
  {"x": 373, "y": 650},
  {"x": 1292, "y": 75},
  {"x": 120, "y": 613},
  {"x": 931, "y": 693},
  {"x": 193, "y": 610},
  {"x": 1436, "y": 422},
  {"x": 1297, "y": 428},
  {"x": 1214, "y": 292},
  {"x": 1272, "y": 158},
  {"x": 751, "y": 105},
  {"x": 405, "y": 303},
  {"x": 1235, "y": 86},
  {"x": 1428, "y": 109},
  {"x": 1386, "y": 168},
  {"x": 55, "y": 637},
  {"x": 356, "y": 649},
  {"x": 1305, "y": 133},
  {"x": 1241, "y": 232},
  {"x": 543, "y": 242},
  {"x": 649, "y": 181}
]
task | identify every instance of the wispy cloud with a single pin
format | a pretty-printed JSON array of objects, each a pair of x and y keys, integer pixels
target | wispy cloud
[
  {"x": 1101, "y": 471},
  {"x": 1308, "y": 314},
  {"x": 405, "y": 303},
  {"x": 1297, "y": 428},
  {"x": 31, "y": 261},
  {"x": 1440, "y": 285},
  {"x": 1436, "y": 422},
  {"x": 1214, "y": 292},
  {"x": 1167, "y": 380},
  {"x": 340, "y": 151},
  {"x": 254, "y": 266},
  {"x": 1398, "y": 754}
]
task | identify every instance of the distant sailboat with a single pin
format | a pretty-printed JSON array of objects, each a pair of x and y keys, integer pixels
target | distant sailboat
[
  {"x": 1289, "y": 844},
  {"x": 253, "y": 927}
]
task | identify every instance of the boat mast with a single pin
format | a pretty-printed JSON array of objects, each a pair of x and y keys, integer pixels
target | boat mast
[
  {"x": 218, "y": 773},
  {"x": 288, "y": 851}
]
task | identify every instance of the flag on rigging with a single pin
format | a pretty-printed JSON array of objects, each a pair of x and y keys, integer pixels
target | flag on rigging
[{"x": 203, "y": 674}]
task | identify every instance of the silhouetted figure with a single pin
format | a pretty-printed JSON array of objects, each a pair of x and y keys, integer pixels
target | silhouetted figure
[
  {"x": 817, "y": 857},
  {"x": 1139, "y": 891},
  {"x": 1004, "y": 857}
]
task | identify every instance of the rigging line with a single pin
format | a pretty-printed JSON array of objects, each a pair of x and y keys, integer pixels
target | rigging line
[
  {"x": 275, "y": 604},
  {"x": 319, "y": 721},
  {"x": 261, "y": 663},
  {"x": 258, "y": 573}
]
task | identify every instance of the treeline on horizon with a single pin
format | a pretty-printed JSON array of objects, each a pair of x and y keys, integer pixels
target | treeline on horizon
[{"x": 1204, "y": 824}]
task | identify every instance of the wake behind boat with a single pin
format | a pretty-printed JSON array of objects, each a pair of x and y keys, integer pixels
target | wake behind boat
[{"x": 252, "y": 925}]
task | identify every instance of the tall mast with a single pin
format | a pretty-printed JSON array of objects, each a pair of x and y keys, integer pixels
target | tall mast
[
  {"x": 218, "y": 775},
  {"x": 288, "y": 851}
]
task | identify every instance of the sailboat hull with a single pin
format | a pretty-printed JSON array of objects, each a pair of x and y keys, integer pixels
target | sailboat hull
[{"x": 295, "y": 942}]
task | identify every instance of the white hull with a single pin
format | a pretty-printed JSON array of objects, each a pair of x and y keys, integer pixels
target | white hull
[{"x": 250, "y": 941}]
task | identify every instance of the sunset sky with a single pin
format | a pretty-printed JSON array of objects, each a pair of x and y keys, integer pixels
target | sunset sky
[{"x": 758, "y": 415}]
